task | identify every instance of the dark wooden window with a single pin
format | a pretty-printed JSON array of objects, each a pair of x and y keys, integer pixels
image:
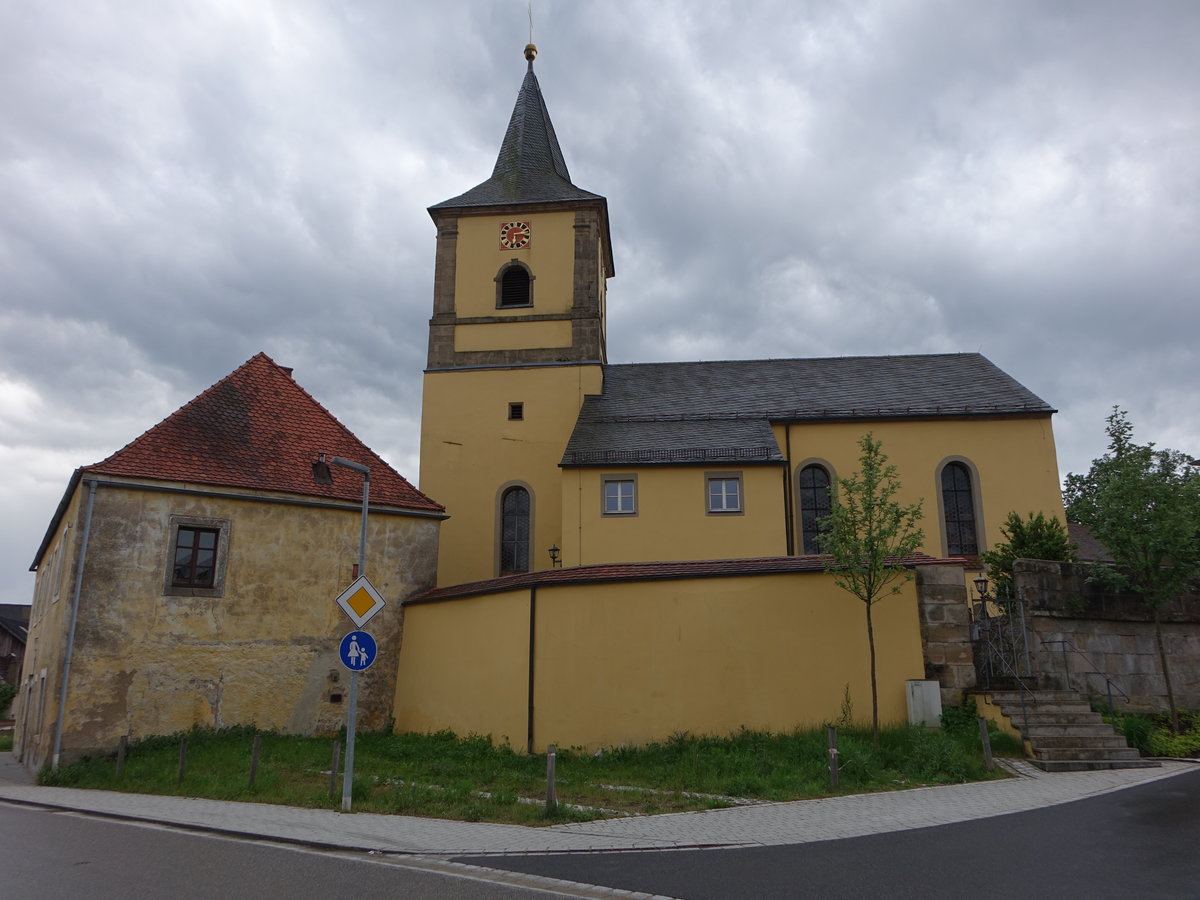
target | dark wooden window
[
  {"x": 514, "y": 531},
  {"x": 515, "y": 287},
  {"x": 815, "y": 504},
  {"x": 958, "y": 507},
  {"x": 195, "y": 557},
  {"x": 516, "y": 411}
]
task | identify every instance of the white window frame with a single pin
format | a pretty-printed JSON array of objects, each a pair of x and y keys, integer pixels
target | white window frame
[
  {"x": 626, "y": 502},
  {"x": 724, "y": 509}
]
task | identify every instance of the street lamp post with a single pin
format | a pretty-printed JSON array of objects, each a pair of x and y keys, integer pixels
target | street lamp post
[{"x": 322, "y": 475}]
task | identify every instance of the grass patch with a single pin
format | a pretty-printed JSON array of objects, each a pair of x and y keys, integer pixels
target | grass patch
[{"x": 467, "y": 778}]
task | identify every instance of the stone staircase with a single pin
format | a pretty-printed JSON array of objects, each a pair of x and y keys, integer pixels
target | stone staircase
[{"x": 1063, "y": 734}]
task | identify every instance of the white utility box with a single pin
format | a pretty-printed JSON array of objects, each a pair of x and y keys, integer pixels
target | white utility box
[{"x": 924, "y": 703}]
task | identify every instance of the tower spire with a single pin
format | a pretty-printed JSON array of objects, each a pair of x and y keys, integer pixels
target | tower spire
[{"x": 530, "y": 167}]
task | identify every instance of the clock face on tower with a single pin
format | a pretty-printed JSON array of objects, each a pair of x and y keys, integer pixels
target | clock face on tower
[{"x": 514, "y": 235}]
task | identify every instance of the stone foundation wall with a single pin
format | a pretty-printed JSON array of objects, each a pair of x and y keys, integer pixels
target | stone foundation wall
[{"x": 1114, "y": 634}]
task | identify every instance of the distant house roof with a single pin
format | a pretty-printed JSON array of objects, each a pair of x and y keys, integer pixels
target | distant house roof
[
  {"x": 1090, "y": 549},
  {"x": 720, "y": 411},
  {"x": 258, "y": 430},
  {"x": 16, "y": 627},
  {"x": 530, "y": 167}
]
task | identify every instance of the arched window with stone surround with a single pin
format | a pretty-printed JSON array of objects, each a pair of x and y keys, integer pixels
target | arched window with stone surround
[
  {"x": 514, "y": 286},
  {"x": 958, "y": 510},
  {"x": 515, "y": 507},
  {"x": 815, "y": 503}
]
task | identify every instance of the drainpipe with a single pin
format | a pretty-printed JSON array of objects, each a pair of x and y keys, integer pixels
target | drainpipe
[
  {"x": 789, "y": 502},
  {"x": 532, "y": 630},
  {"x": 66, "y": 673}
]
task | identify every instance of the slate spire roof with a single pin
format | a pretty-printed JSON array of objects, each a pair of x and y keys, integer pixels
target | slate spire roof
[
  {"x": 530, "y": 167},
  {"x": 259, "y": 430}
]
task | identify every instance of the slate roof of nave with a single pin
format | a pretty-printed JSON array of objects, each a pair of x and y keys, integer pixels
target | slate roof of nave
[
  {"x": 531, "y": 167},
  {"x": 696, "y": 412},
  {"x": 260, "y": 430}
]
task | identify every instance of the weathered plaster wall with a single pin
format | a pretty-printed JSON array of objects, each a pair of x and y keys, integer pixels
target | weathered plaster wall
[
  {"x": 263, "y": 653},
  {"x": 1114, "y": 632}
]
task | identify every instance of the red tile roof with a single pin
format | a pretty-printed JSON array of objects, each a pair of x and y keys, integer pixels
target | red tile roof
[
  {"x": 258, "y": 429},
  {"x": 651, "y": 571}
]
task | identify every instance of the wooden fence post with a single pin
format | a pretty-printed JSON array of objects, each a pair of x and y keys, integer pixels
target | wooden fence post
[
  {"x": 182, "y": 758},
  {"x": 833, "y": 757},
  {"x": 254, "y": 759},
  {"x": 986, "y": 740},
  {"x": 333, "y": 770},
  {"x": 551, "y": 793}
]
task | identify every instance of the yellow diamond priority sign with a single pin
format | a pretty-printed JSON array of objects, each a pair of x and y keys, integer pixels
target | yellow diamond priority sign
[{"x": 360, "y": 601}]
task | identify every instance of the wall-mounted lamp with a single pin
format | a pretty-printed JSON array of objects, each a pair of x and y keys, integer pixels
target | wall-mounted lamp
[
  {"x": 554, "y": 552},
  {"x": 981, "y": 585}
]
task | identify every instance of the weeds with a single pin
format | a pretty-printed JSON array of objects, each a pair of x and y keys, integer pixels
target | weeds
[{"x": 469, "y": 778}]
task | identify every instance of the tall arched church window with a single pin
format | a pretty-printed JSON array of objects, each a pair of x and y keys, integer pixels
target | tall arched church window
[
  {"x": 958, "y": 510},
  {"x": 514, "y": 531},
  {"x": 514, "y": 286},
  {"x": 815, "y": 503}
]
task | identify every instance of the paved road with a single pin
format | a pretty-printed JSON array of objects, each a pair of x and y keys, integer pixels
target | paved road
[
  {"x": 48, "y": 855},
  {"x": 1142, "y": 842},
  {"x": 1127, "y": 833}
]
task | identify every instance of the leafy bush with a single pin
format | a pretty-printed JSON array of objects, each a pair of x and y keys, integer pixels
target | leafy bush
[
  {"x": 7, "y": 693},
  {"x": 960, "y": 719},
  {"x": 1037, "y": 537}
]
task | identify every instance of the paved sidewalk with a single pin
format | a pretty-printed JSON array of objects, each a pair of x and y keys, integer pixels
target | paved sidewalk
[{"x": 767, "y": 824}]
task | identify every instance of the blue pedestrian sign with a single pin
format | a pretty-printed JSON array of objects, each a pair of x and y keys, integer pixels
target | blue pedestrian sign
[{"x": 357, "y": 651}]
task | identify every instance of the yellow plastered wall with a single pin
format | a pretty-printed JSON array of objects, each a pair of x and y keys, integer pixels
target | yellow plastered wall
[
  {"x": 550, "y": 256},
  {"x": 470, "y": 449},
  {"x": 1013, "y": 458},
  {"x": 637, "y": 661},
  {"x": 464, "y": 666},
  {"x": 672, "y": 520}
]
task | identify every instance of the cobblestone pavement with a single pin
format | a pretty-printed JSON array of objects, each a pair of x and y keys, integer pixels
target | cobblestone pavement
[{"x": 800, "y": 821}]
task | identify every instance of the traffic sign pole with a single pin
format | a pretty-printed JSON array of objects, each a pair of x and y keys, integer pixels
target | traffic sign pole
[
  {"x": 351, "y": 724},
  {"x": 352, "y": 706}
]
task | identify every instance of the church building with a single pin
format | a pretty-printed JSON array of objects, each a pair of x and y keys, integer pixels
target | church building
[
  {"x": 630, "y": 550},
  {"x": 545, "y": 454}
]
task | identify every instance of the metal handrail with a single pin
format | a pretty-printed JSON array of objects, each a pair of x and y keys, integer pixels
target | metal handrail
[
  {"x": 987, "y": 636},
  {"x": 1024, "y": 690},
  {"x": 1109, "y": 683}
]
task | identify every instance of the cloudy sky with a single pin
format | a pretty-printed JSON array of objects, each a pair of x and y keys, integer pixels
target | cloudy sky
[{"x": 185, "y": 184}]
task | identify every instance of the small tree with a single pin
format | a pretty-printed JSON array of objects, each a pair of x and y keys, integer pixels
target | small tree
[
  {"x": 867, "y": 536},
  {"x": 1037, "y": 537},
  {"x": 1143, "y": 504}
]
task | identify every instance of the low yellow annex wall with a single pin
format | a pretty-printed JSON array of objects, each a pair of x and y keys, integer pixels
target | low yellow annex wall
[
  {"x": 637, "y": 661},
  {"x": 464, "y": 665}
]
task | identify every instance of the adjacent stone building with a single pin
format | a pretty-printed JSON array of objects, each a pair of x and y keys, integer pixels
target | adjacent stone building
[{"x": 190, "y": 578}]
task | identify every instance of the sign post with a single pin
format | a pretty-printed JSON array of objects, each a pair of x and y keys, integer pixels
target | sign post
[{"x": 360, "y": 602}]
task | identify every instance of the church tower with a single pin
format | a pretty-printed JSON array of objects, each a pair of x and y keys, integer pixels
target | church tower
[{"x": 515, "y": 343}]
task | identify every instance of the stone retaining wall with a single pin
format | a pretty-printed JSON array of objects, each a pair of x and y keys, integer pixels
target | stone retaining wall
[{"x": 1114, "y": 634}]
